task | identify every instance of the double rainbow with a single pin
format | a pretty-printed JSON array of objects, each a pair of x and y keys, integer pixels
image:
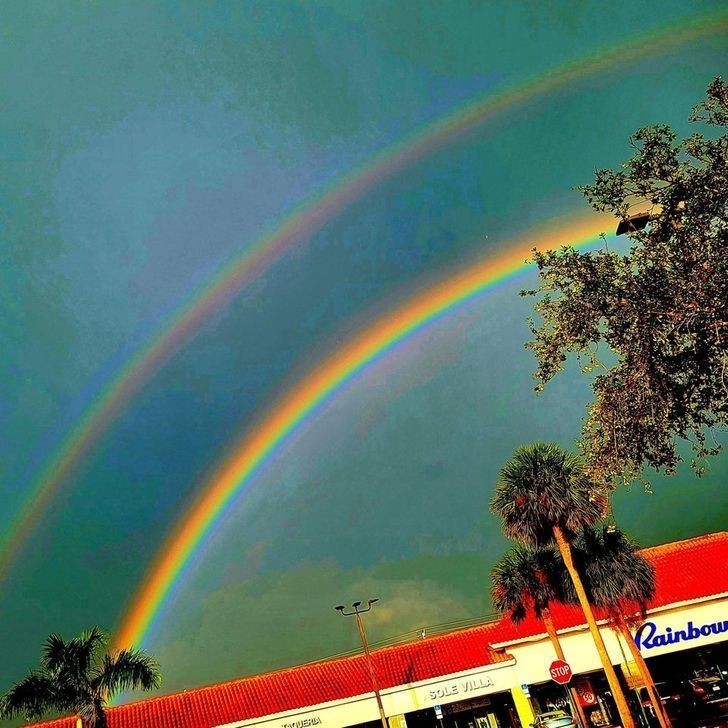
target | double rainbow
[
  {"x": 270, "y": 432},
  {"x": 303, "y": 221}
]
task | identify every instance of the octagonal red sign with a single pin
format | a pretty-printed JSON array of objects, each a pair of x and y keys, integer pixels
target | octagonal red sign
[{"x": 560, "y": 672}]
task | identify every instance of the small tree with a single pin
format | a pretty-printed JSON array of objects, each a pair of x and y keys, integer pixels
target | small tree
[
  {"x": 544, "y": 497},
  {"x": 79, "y": 677},
  {"x": 661, "y": 310},
  {"x": 622, "y": 582},
  {"x": 528, "y": 580}
]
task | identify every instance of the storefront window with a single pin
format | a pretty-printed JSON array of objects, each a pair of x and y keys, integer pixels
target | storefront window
[
  {"x": 487, "y": 711},
  {"x": 593, "y": 694},
  {"x": 693, "y": 686},
  {"x": 596, "y": 699},
  {"x": 550, "y": 696}
]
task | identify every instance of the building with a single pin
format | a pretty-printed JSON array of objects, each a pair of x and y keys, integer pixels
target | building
[{"x": 491, "y": 676}]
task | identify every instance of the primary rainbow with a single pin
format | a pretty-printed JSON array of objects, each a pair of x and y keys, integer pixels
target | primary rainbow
[
  {"x": 269, "y": 433},
  {"x": 302, "y": 221}
]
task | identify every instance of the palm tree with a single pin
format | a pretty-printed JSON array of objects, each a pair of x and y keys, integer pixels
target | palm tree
[
  {"x": 621, "y": 582},
  {"x": 529, "y": 580},
  {"x": 544, "y": 497},
  {"x": 79, "y": 677}
]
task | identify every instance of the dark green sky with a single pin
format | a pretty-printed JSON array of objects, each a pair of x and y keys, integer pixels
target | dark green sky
[{"x": 143, "y": 145}]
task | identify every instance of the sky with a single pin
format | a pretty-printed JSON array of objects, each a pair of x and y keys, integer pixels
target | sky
[{"x": 147, "y": 148}]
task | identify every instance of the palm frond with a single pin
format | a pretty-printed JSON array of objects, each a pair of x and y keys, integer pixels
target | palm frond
[
  {"x": 54, "y": 653},
  {"x": 616, "y": 577},
  {"x": 526, "y": 580},
  {"x": 126, "y": 670},
  {"x": 31, "y": 698},
  {"x": 542, "y": 486},
  {"x": 71, "y": 661},
  {"x": 85, "y": 648}
]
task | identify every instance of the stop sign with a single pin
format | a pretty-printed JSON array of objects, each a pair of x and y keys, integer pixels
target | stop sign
[{"x": 560, "y": 672}]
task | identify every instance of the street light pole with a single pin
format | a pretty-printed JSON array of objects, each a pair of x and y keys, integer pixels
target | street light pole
[{"x": 363, "y": 635}]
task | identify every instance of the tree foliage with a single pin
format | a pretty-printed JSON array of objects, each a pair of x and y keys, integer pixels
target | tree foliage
[
  {"x": 78, "y": 676},
  {"x": 542, "y": 486},
  {"x": 661, "y": 309},
  {"x": 527, "y": 580},
  {"x": 615, "y": 575}
]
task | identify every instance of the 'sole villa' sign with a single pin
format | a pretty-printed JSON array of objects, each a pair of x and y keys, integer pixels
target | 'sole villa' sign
[
  {"x": 648, "y": 636},
  {"x": 466, "y": 686}
]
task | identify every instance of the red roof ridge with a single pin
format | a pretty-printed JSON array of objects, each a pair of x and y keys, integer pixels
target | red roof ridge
[
  {"x": 677, "y": 545},
  {"x": 341, "y": 659},
  {"x": 197, "y": 690}
]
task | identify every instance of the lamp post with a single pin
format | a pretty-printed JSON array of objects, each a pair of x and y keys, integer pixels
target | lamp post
[{"x": 357, "y": 612}]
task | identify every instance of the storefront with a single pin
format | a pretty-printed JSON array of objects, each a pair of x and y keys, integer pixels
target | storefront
[
  {"x": 495, "y": 675},
  {"x": 683, "y": 639}
]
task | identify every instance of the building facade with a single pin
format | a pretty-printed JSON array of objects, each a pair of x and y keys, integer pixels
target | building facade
[{"x": 494, "y": 675}]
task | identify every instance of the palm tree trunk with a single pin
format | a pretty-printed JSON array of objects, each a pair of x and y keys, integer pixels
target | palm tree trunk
[
  {"x": 660, "y": 712},
  {"x": 615, "y": 687},
  {"x": 96, "y": 714},
  {"x": 556, "y": 642}
]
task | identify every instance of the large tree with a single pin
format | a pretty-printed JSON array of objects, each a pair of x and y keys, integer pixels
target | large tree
[
  {"x": 653, "y": 322},
  {"x": 79, "y": 676},
  {"x": 544, "y": 498}
]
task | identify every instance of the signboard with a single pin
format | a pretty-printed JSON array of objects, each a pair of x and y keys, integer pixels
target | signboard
[
  {"x": 438, "y": 711},
  {"x": 458, "y": 689},
  {"x": 560, "y": 672},
  {"x": 525, "y": 690},
  {"x": 649, "y": 636},
  {"x": 585, "y": 691}
]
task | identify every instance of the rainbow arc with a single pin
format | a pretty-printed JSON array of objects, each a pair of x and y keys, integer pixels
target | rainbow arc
[
  {"x": 261, "y": 254},
  {"x": 271, "y": 431}
]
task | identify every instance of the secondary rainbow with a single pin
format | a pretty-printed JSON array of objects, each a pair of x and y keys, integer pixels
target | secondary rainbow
[
  {"x": 303, "y": 221},
  {"x": 330, "y": 376}
]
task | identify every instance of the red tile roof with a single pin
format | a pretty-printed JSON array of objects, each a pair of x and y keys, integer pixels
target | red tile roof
[
  {"x": 685, "y": 570},
  {"x": 691, "y": 569},
  {"x": 314, "y": 683}
]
